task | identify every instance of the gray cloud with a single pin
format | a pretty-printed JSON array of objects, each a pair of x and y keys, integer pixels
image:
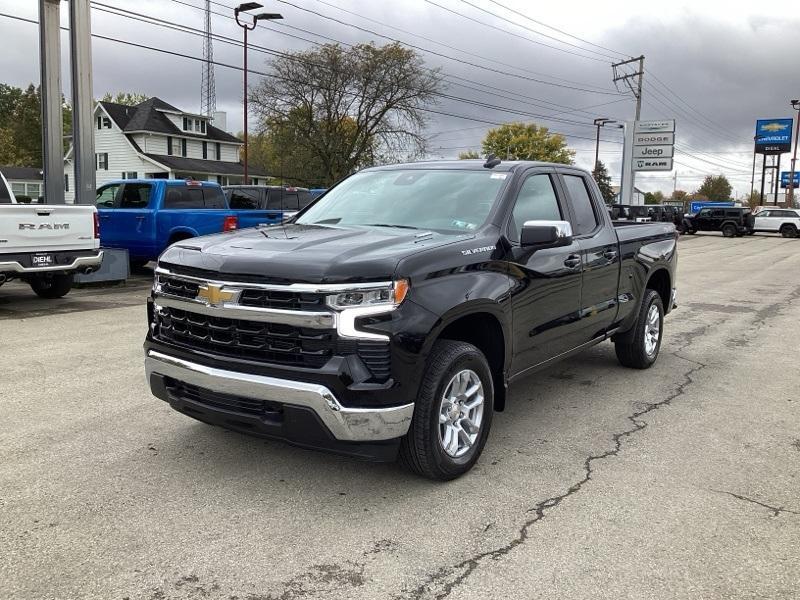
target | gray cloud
[{"x": 729, "y": 71}]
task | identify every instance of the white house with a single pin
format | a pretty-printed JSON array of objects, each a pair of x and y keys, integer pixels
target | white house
[
  {"x": 156, "y": 140},
  {"x": 25, "y": 181},
  {"x": 637, "y": 199}
]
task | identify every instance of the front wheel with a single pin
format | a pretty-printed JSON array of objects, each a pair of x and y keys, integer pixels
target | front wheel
[
  {"x": 452, "y": 414},
  {"x": 52, "y": 286},
  {"x": 639, "y": 349}
]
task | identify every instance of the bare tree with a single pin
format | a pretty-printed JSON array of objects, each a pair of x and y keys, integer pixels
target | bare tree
[{"x": 332, "y": 110}]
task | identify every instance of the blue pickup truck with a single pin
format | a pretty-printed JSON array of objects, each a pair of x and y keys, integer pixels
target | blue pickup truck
[{"x": 145, "y": 216}]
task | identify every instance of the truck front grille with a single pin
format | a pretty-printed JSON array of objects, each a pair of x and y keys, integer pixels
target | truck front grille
[
  {"x": 249, "y": 340},
  {"x": 279, "y": 299}
]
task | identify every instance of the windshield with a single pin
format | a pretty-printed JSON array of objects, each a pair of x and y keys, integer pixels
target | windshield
[{"x": 454, "y": 201}]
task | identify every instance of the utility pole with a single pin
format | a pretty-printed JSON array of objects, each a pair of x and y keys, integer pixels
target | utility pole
[
  {"x": 636, "y": 88},
  {"x": 628, "y": 176},
  {"x": 790, "y": 195},
  {"x": 674, "y": 183}
]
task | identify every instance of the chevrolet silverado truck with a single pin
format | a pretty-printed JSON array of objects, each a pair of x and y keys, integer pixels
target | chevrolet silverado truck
[
  {"x": 391, "y": 315},
  {"x": 46, "y": 244}
]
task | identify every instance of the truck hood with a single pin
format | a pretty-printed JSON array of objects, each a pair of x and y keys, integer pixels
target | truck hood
[{"x": 305, "y": 253}]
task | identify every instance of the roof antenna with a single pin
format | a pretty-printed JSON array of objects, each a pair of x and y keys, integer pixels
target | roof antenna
[{"x": 491, "y": 162}]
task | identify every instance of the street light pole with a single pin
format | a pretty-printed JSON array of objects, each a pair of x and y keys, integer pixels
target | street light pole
[
  {"x": 247, "y": 26},
  {"x": 598, "y": 123},
  {"x": 790, "y": 197}
]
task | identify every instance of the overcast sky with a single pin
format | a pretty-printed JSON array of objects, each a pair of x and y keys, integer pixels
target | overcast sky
[{"x": 714, "y": 66}]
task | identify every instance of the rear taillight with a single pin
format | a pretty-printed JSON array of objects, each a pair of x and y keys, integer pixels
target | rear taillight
[
  {"x": 231, "y": 222},
  {"x": 96, "y": 226}
]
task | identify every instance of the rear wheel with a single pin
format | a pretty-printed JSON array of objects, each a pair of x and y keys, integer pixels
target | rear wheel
[
  {"x": 452, "y": 414},
  {"x": 639, "y": 349},
  {"x": 51, "y": 286},
  {"x": 789, "y": 231},
  {"x": 729, "y": 230}
]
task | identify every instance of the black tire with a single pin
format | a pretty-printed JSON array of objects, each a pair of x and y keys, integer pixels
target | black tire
[
  {"x": 53, "y": 286},
  {"x": 789, "y": 231},
  {"x": 138, "y": 264},
  {"x": 421, "y": 450},
  {"x": 729, "y": 230},
  {"x": 631, "y": 349}
]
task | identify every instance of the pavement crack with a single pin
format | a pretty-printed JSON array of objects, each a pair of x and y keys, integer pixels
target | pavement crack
[
  {"x": 449, "y": 577},
  {"x": 775, "y": 510}
]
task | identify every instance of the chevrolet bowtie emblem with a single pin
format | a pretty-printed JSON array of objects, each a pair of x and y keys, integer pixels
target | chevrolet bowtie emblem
[{"x": 214, "y": 295}]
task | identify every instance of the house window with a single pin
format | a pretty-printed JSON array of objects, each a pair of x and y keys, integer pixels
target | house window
[
  {"x": 183, "y": 147},
  {"x": 103, "y": 122},
  {"x": 34, "y": 190},
  {"x": 187, "y": 124},
  {"x": 169, "y": 146},
  {"x": 101, "y": 161},
  {"x": 130, "y": 175},
  {"x": 99, "y": 122},
  {"x": 219, "y": 151},
  {"x": 18, "y": 189},
  {"x": 202, "y": 126},
  {"x": 205, "y": 149},
  {"x": 222, "y": 180},
  {"x": 66, "y": 182}
]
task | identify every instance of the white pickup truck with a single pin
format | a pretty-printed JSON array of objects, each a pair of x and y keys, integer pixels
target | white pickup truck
[{"x": 46, "y": 244}]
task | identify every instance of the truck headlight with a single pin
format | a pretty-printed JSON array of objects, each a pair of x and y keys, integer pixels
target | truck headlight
[{"x": 356, "y": 298}]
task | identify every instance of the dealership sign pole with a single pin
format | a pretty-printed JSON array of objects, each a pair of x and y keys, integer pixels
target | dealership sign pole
[{"x": 773, "y": 137}]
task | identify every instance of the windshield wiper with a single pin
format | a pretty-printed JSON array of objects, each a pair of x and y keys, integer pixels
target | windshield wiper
[{"x": 389, "y": 225}]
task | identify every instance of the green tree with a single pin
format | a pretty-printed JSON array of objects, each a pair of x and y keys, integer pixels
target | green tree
[
  {"x": 679, "y": 196},
  {"x": 603, "y": 179},
  {"x": 715, "y": 188},
  {"x": 127, "y": 98},
  {"x": 521, "y": 141},
  {"x": 331, "y": 110},
  {"x": 753, "y": 199},
  {"x": 468, "y": 155},
  {"x": 656, "y": 197}
]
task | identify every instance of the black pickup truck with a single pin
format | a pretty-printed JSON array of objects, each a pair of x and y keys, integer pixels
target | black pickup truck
[{"x": 392, "y": 314}]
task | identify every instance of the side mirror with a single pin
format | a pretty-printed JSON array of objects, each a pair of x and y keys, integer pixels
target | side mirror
[{"x": 546, "y": 234}]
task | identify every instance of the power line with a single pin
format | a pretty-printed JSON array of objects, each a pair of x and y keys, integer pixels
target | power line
[
  {"x": 488, "y": 12},
  {"x": 558, "y": 30}
]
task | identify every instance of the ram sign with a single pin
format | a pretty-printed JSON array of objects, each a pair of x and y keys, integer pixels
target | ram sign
[{"x": 773, "y": 136}]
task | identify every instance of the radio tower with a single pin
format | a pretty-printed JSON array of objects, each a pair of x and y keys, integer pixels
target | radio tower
[{"x": 208, "y": 99}]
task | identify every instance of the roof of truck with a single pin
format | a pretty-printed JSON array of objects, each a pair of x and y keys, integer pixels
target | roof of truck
[{"x": 473, "y": 165}]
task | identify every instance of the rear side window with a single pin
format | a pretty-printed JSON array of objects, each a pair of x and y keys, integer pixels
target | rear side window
[
  {"x": 135, "y": 195},
  {"x": 106, "y": 196},
  {"x": 305, "y": 199},
  {"x": 213, "y": 197},
  {"x": 291, "y": 201},
  {"x": 275, "y": 200},
  {"x": 5, "y": 197},
  {"x": 184, "y": 197},
  {"x": 733, "y": 213},
  {"x": 585, "y": 217},
  {"x": 717, "y": 213},
  {"x": 243, "y": 199}
]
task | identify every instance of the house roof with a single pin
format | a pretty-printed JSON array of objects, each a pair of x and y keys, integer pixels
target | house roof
[
  {"x": 201, "y": 165},
  {"x": 22, "y": 173},
  {"x": 149, "y": 116}
]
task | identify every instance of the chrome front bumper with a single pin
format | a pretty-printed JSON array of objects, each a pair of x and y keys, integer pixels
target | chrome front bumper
[
  {"x": 345, "y": 424},
  {"x": 80, "y": 262}
]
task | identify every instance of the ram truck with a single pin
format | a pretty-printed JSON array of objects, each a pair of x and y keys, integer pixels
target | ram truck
[
  {"x": 44, "y": 245},
  {"x": 391, "y": 315},
  {"x": 144, "y": 216}
]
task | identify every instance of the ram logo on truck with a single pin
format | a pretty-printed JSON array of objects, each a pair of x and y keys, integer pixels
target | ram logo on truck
[{"x": 37, "y": 226}]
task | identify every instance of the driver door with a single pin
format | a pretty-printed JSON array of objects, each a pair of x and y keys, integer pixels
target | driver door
[
  {"x": 107, "y": 203},
  {"x": 545, "y": 283}
]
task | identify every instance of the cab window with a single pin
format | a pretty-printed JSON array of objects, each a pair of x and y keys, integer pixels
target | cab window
[
  {"x": 536, "y": 201},
  {"x": 135, "y": 195},
  {"x": 585, "y": 217},
  {"x": 107, "y": 196},
  {"x": 243, "y": 199}
]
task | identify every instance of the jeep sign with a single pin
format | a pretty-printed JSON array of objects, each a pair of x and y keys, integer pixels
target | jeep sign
[{"x": 652, "y": 151}]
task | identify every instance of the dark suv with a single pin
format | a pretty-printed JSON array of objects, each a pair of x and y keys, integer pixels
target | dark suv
[
  {"x": 731, "y": 221},
  {"x": 269, "y": 204}
]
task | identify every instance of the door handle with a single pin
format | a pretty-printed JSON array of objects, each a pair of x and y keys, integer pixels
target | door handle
[
  {"x": 610, "y": 254},
  {"x": 572, "y": 261}
]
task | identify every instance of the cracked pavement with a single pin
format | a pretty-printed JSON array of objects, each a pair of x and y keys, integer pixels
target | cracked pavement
[{"x": 597, "y": 482}]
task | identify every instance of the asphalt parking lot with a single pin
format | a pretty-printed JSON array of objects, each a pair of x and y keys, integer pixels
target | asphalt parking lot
[{"x": 682, "y": 481}]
